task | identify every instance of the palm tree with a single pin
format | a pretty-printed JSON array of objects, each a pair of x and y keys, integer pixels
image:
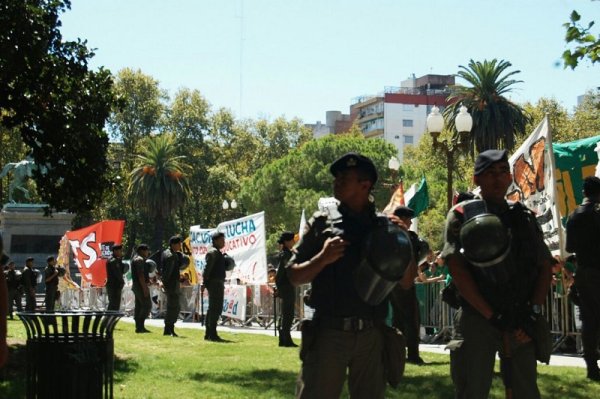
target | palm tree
[
  {"x": 496, "y": 120},
  {"x": 158, "y": 182}
]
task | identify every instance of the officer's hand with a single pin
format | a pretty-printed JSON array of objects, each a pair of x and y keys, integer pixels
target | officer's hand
[
  {"x": 521, "y": 336},
  {"x": 397, "y": 221},
  {"x": 333, "y": 249}
]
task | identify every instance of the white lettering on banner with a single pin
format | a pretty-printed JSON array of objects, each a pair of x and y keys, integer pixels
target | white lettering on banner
[
  {"x": 86, "y": 248},
  {"x": 234, "y": 301},
  {"x": 240, "y": 228}
]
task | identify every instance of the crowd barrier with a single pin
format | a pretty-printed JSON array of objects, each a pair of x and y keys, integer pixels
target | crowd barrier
[{"x": 256, "y": 305}]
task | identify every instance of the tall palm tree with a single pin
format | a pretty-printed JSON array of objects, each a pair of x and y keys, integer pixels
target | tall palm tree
[
  {"x": 158, "y": 182},
  {"x": 496, "y": 120}
]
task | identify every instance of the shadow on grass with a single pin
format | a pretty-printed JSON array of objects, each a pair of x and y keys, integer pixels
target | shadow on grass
[{"x": 280, "y": 383}]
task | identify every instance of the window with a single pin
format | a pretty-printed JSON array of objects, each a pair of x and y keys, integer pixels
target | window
[
  {"x": 397, "y": 137},
  {"x": 408, "y": 139},
  {"x": 407, "y": 107},
  {"x": 407, "y": 123}
]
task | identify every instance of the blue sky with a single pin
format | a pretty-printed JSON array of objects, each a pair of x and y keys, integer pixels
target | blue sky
[{"x": 300, "y": 58}]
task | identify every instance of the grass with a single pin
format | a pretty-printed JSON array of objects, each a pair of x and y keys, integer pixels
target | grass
[{"x": 251, "y": 366}]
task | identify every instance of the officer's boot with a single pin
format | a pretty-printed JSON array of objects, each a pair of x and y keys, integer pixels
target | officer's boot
[
  {"x": 167, "y": 330},
  {"x": 290, "y": 343},
  {"x": 173, "y": 333},
  {"x": 142, "y": 328},
  {"x": 593, "y": 372},
  {"x": 137, "y": 327}
]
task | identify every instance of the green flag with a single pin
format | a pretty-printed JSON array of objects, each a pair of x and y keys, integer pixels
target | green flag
[{"x": 420, "y": 201}]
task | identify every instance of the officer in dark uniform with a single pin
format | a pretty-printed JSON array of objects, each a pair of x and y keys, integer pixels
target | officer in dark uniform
[
  {"x": 405, "y": 307},
  {"x": 583, "y": 239},
  {"x": 115, "y": 268},
  {"x": 140, "y": 280},
  {"x": 343, "y": 334},
  {"x": 501, "y": 297},
  {"x": 51, "y": 280},
  {"x": 213, "y": 278},
  {"x": 172, "y": 262},
  {"x": 13, "y": 282},
  {"x": 29, "y": 277},
  {"x": 285, "y": 290}
]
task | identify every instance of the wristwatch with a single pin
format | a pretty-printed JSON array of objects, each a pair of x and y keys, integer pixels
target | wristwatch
[{"x": 536, "y": 309}]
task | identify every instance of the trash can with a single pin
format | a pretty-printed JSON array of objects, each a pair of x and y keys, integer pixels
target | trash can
[{"x": 70, "y": 354}]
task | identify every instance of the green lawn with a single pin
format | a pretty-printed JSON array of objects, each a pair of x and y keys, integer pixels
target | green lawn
[{"x": 251, "y": 366}]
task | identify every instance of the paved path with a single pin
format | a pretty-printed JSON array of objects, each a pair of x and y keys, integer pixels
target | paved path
[{"x": 555, "y": 360}]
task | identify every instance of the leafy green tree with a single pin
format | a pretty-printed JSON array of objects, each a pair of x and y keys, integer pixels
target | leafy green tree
[
  {"x": 141, "y": 107},
  {"x": 586, "y": 45},
  {"x": 586, "y": 118},
  {"x": 560, "y": 122},
  {"x": 286, "y": 186},
  {"x": 158, "y": 183},
  {"x": 55, "y": 102},
  {"x": 496, "y": 120}
]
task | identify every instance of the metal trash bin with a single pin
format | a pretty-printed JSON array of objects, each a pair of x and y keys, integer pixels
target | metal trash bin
[{"x": 70, "y": 354}]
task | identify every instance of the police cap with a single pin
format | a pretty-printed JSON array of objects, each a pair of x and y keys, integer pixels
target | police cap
[
  {"x": 174, "y": 240},
  {"x": 354, "y": 160},
  {"x": 404, "y": 211},
  {"x": 30, "y": 259},
  {"x": 487, "y": 158},
  {"x": 285, "y": 236},
  {"x": 117, "y": 246},
  {"x": 141, "y": 247},
  {"x": 49, "y": 258}
]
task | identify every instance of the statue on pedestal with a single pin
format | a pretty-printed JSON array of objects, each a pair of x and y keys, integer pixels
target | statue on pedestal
[{"x": 21, "y": 172}]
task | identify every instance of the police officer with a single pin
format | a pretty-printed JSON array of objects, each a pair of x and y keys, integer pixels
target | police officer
[
  {"x": 172, "y": 263},
  {"x": 285, "y": 290},
  {"x": 501, "y": 296},
  {"x": 51, "y": 281},
  {"x": 405, "y": 307},
  {"x": 140, "y": 281},
  {"x": 214, "y": 281},
  {"x": 115, "y": 268},
  {"x": 583, "y": 239},
  {"x": 13, "y": 282},
  {"x": 343, "y": 334},
  {"x": 29, "y": 277}
]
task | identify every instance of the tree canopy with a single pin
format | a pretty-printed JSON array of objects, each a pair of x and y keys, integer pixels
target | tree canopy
[
  {"x": 584, "y": 43},
  {"x": 58, "y": 105}
]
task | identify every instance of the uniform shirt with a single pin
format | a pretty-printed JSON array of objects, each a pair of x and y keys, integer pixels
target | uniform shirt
[
  {"x": 528, "y": 251},
  {"x": 333, "y": 291},
  {"x": 138, "y": 264},
  {"x": 49, "y": 271},
  {"x": 281, "y": 279},
  {"x": 13, "y": 280},
  {"x": 29, "y": 278},
  {"x": 171, "y": 262},
  {"x": 583, "y": 234},
  {"x": 215, "y": 265},
  {"x": 114, "y": 273}
]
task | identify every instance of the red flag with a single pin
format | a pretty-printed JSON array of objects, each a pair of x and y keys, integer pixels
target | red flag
[
  {"x": 92, "y": 247},
  {"x": 396, "y": 200}
]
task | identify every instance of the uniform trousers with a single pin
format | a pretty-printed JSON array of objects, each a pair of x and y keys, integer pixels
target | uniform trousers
[
  {"x": 288, "y": 304},
  {"x": 14, "y": 299},
  {"x": 216, "y": 293},
  {"x": 114, "y": 298},
  {"x": 472, "y": 363},
  {"x": 587, "y": 282},
  {"x": 143, "y": 304},
  {"x": 332, "y": 353},
  {"x": 173, "y": 305},
  {"x": 50, "y": 297}
]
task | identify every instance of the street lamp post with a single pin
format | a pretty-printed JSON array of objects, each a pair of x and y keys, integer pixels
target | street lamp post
[
  {"x": 394, "y": 166},
  {"x": 227, "y": 205},
  {"x": 435, "y": 125}
]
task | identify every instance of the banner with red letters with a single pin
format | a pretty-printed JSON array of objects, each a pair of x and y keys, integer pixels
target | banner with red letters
[{"x": 92, "y": 247}]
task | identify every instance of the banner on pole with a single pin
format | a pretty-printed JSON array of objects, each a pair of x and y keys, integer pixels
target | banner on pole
[
  {"x": 534, "y": 184},
  {"x": 245, "y": 242},
  {"x": 92, "y": 247}
]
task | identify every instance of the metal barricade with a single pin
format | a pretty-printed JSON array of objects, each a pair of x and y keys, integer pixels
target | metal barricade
[{"x": 436, "y": 315}]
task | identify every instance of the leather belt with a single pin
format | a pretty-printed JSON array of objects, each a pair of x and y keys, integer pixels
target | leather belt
[{"x": 345, "y": 323}]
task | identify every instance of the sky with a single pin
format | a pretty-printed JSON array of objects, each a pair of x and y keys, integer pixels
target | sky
[{"x": 301, "y": 58}]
